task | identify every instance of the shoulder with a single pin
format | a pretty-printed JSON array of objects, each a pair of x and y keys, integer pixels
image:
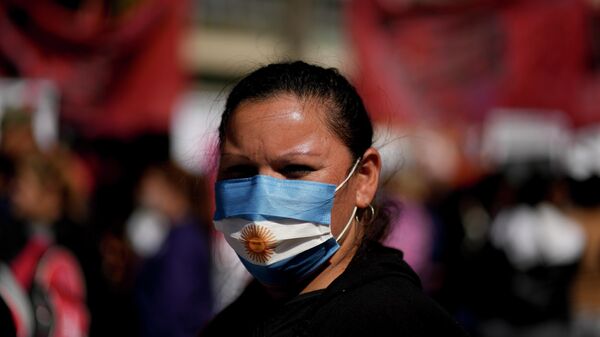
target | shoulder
[
  {"x": 59, "y": 270},
  {"x": 188, "y": 232},
  {"x": 186, "y": 241},
  {"x": 381, "y": 295},
  {"x": 389, "y": 305}
]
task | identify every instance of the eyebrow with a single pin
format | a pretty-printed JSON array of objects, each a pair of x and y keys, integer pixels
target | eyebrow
[
  {"x": 285, "y": 155},
  {"x": 296, "y": 153},
  {"x": 228, "y": 154}
]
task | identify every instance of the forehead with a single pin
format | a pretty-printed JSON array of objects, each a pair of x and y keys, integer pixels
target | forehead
[{"x": 280, "y": 123}]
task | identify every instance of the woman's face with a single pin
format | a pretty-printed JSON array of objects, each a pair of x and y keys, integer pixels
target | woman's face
[{"x": 286, "y": 138}]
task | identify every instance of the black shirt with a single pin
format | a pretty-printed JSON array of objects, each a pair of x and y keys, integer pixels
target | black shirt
[{"x": 377, "y": 295}]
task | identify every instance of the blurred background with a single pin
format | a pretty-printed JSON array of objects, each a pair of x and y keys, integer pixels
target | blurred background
[{"x": 487, "y": 115}]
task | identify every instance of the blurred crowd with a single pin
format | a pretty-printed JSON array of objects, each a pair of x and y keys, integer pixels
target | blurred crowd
[
  {"x": 513, "y": 252},
  {"x": 72, "y": 277},
  {"x": 488, "y": 123}
]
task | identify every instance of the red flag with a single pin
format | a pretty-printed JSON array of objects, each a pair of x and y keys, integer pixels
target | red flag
[{"x": 117, "y": 68}]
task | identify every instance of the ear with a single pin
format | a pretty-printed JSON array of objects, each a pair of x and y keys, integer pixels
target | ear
[{"x": 367, "y": 178}]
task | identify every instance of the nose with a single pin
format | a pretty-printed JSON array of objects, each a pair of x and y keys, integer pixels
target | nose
[{"x": 269, "y": 171}]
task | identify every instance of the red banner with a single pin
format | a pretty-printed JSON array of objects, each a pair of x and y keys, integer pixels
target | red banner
[
  {"x": 454, "y": 63},
  {"x": 116, "y": 63}
]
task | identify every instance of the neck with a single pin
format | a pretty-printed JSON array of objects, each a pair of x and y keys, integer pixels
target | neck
[{"x": 338, "y": 262}]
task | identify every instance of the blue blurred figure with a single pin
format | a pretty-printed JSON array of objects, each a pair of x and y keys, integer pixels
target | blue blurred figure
[{"x": 169, "y": 232}]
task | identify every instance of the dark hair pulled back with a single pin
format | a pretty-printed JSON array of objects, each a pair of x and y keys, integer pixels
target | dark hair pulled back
[{"x": 346, "y": 116}]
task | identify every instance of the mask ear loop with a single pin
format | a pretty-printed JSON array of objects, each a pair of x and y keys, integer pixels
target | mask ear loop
[
  {"x": 355, "y": 208},
  {"x": 349, "y": 175},
  {"x": 347, "y": 225}
]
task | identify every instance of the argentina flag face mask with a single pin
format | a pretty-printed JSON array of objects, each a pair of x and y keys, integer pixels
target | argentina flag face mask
[{"x": 279, "y": 228}]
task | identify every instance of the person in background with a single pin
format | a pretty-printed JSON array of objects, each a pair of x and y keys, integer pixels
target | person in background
[
  {"x": 44, "y": 267},
  {"x": 169, "y": 232},
  {"x": 16, "y": 142},
  {"x": 540, "y": 246},
  {"x": 16, "y": 137},
  {"x": 412, "y": 230},
  {"x": 295, "y": 189}
]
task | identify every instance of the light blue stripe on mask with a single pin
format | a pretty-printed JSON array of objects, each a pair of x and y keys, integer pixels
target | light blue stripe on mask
[{"x": 262, "y": 198}]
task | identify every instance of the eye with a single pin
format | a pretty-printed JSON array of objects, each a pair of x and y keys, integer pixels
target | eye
[
  {"x": 296, "y": 171},
  {"x": 238, "y": 171}
]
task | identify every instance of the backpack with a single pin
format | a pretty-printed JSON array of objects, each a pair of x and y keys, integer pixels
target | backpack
[{"x": 45, "y": 292}]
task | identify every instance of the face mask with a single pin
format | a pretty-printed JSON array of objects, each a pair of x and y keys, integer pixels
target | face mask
[{"x": 279, "y": 228}]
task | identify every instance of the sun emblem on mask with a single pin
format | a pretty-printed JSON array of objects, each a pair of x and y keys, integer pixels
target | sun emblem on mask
[{"x": 259, "y": 242}]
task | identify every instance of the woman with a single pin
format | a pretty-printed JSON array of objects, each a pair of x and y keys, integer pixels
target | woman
[{"x": 296, "y": 183}]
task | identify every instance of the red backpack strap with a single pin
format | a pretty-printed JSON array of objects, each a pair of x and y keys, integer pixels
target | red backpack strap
[
  {"x": 23, "y": 266},
  {"x": 58, "y": 274}
]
